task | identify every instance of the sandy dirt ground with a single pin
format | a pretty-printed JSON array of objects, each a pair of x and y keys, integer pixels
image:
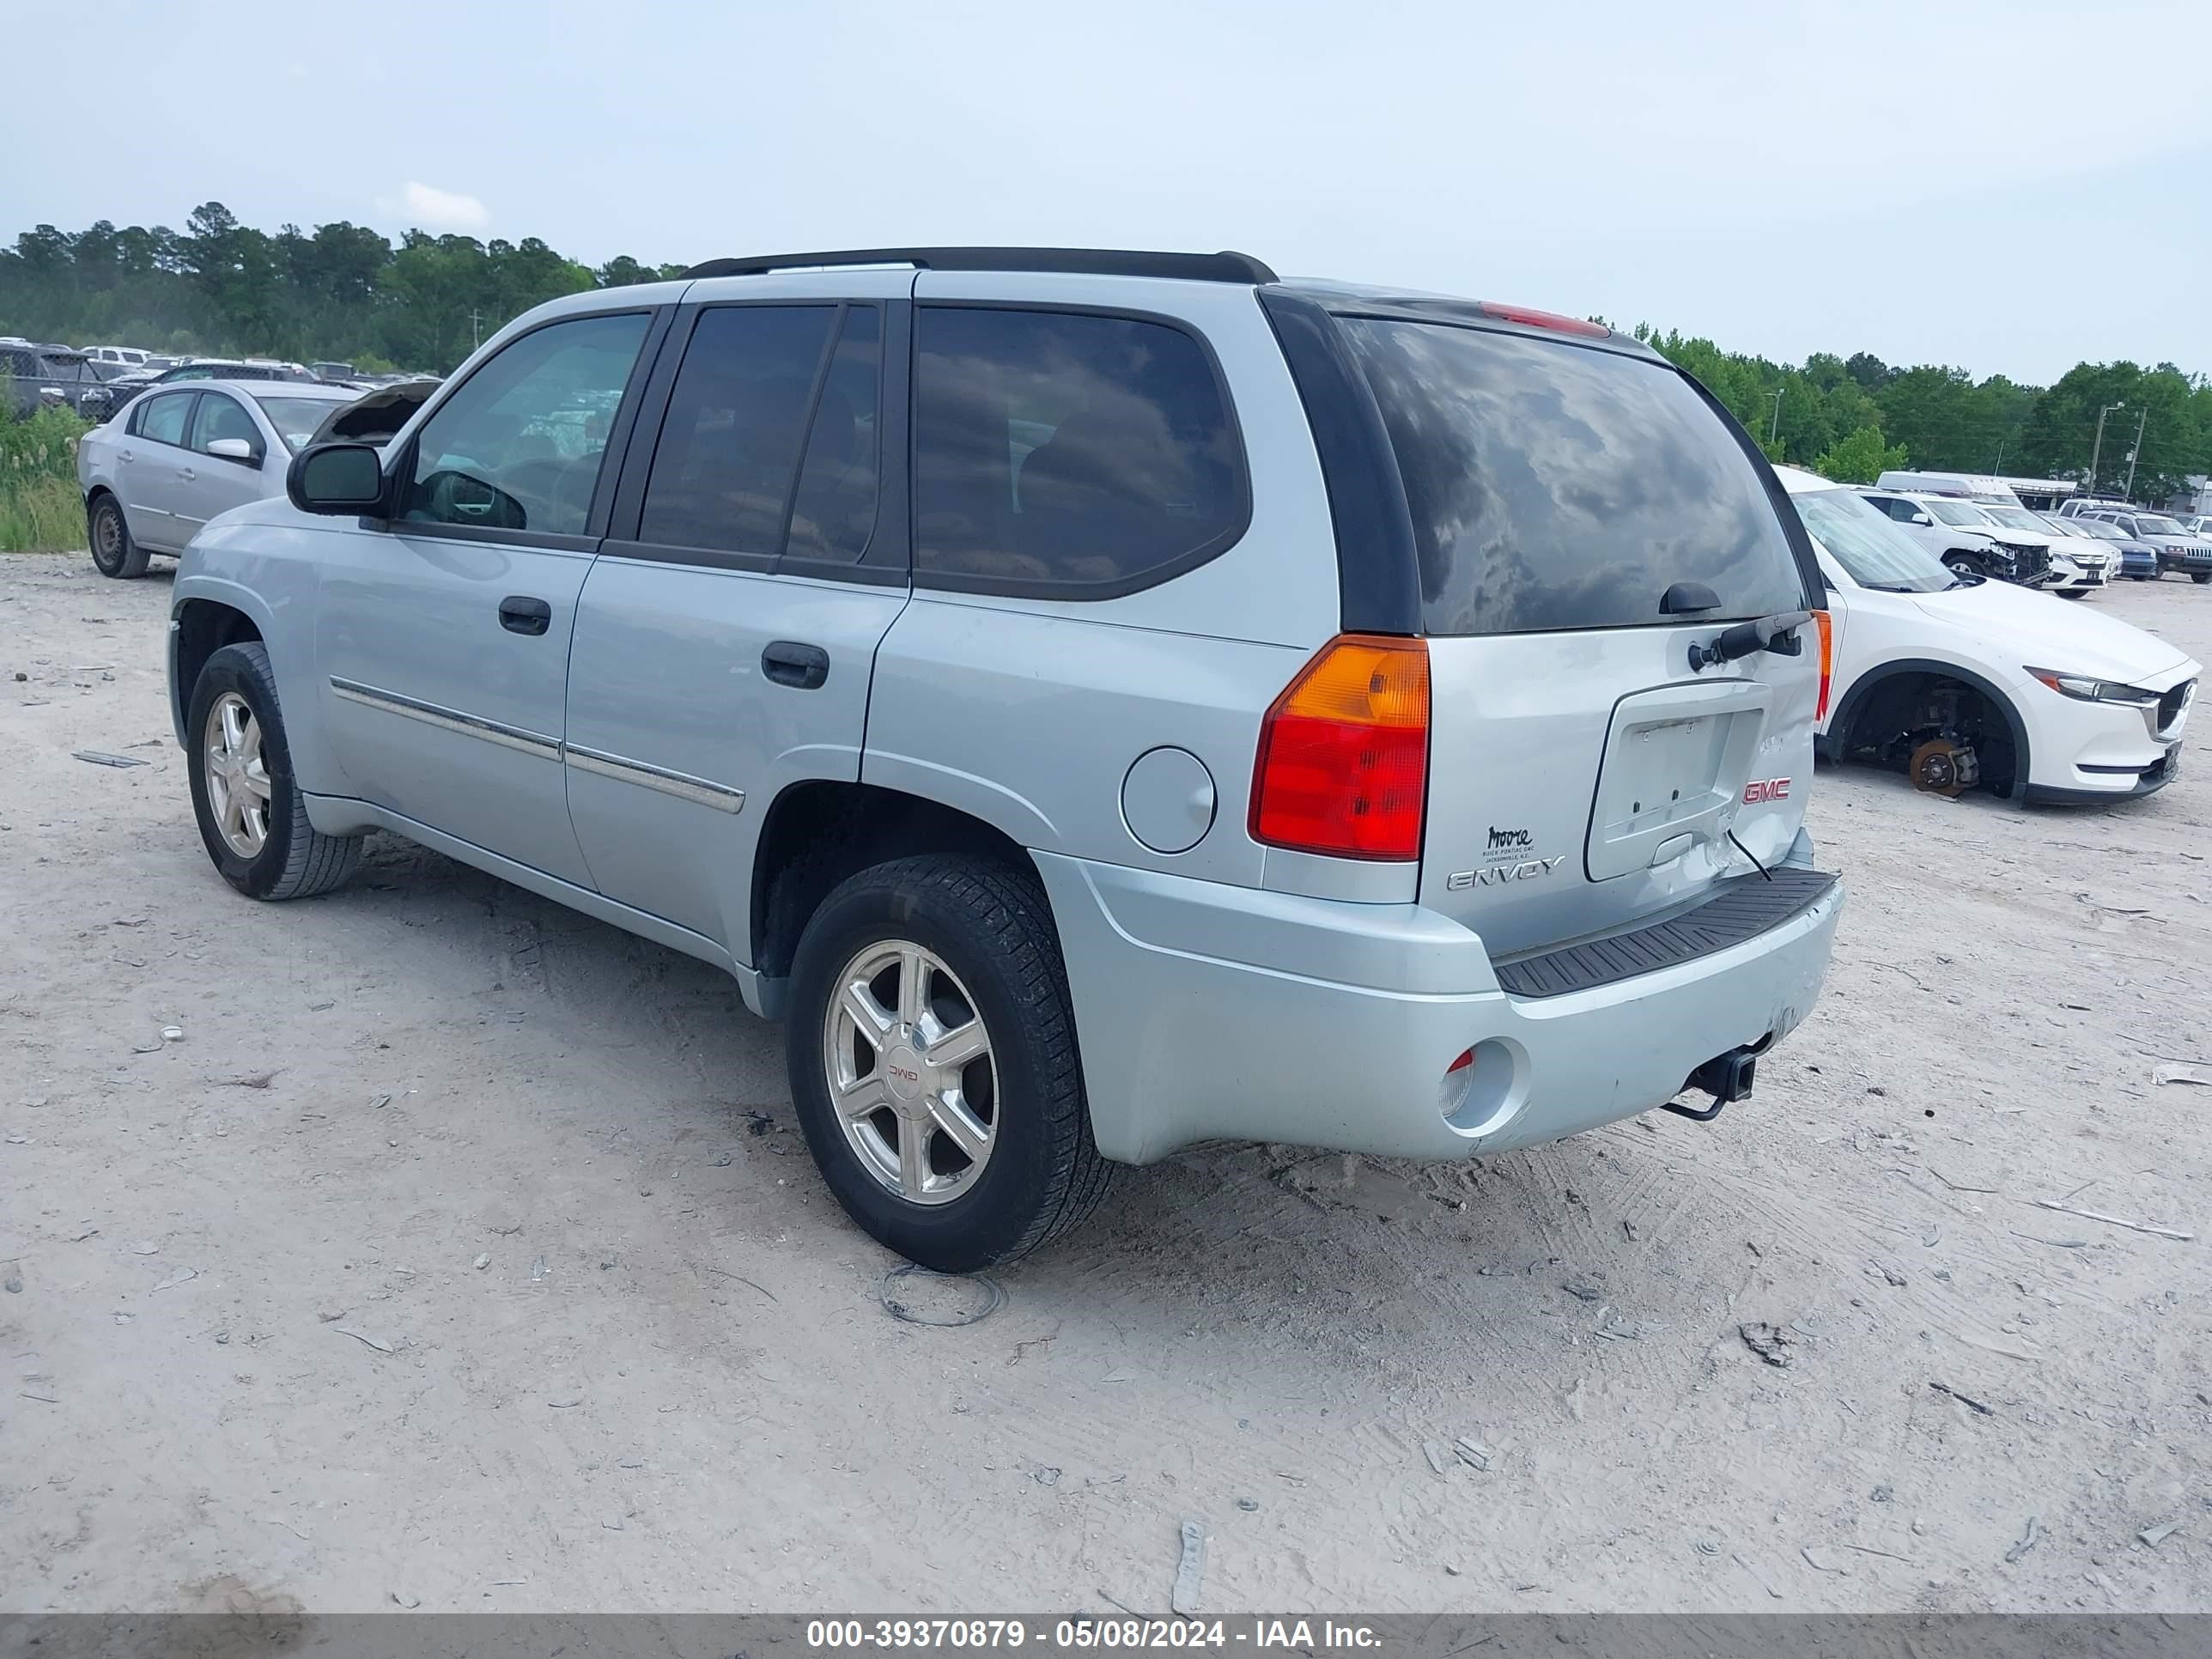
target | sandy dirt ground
[{"x": 463, "y": 1254}]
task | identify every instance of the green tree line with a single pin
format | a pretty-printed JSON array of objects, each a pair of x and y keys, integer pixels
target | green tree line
[
  {"x": 340, "y": 292},
  {"x": 1850, "y": 417},
  {"x": 345, "y": 292}
]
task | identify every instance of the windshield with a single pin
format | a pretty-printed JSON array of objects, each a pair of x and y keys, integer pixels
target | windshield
[
  {"x": 1554, "y": 486},
  {"x": 296, "y": 418},
  {"x": 2017, "y": 518},
  {"x": 2096, "y": 528},
  {"x": 2158, "y": 526},
  {"x": 1862, "y": 539},
  {"x": 1957, "y": 513}
]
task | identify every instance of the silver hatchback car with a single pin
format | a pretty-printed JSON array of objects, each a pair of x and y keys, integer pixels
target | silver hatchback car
[
  {"x": 160, "y": 468},
  {"x": 1102, "y": 700}
]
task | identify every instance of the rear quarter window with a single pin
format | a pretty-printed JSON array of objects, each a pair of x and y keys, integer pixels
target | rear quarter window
[
  {"x": 1558, "y": 487},
  {"x": 1068, "y": 454}
]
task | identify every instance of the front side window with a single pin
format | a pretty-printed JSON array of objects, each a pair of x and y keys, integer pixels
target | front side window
[
  {"x": 519, "y": 446},
  {"x": 162, "y": 419},
  {"x": 221, "y": 417},
  {"x": 730, "y": 442},
  {"x": 1057, "y": 450},
  {"x": 1553, "y": 486}
]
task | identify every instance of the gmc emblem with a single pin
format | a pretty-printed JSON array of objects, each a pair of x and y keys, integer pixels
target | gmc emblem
[{"x": 1765, "y": 789}]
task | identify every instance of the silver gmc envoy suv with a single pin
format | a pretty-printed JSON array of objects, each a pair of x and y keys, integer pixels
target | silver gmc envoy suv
[{"x": 1101, "y": 701}]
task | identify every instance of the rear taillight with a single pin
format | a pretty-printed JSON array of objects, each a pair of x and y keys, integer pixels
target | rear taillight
[
  {"x": 1824, "y": 626},
  {"x": 1344, "y": 753}
]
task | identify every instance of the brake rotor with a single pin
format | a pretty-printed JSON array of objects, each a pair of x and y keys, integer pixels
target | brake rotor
[{"x": 1940, "y": 767}]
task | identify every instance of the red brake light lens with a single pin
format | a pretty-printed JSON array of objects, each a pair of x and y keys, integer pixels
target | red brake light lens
[
  {"x": 1343, "y": 767},
  {"x": 1527, "y": 317}
]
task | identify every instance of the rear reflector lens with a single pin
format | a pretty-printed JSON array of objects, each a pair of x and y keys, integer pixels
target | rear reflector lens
[
  {"x": 1529, "y": 318},
  {"x": 1344, "y": 754},
  {"x": 1824, "y": 626}
]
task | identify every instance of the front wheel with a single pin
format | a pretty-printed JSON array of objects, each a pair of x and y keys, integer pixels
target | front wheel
[
  {"x": 2073, "y": 592},
  {"x": 114, "y": 551},
  {"x": 933, "y": 1062},
  {"x": 2200, "y": 577},
  {"x": 1959, "y": 565},
  {"x": 251, "y": 814}
]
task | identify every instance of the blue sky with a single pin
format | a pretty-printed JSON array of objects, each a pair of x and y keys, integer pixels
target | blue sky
[{"x": 1932, "y": 182}]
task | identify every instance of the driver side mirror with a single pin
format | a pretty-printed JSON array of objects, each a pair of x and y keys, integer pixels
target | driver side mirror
[
  {"x": 1922, "y": 519},
  {"x": 235, "y": 449},
  {"x": 342, "y": 480}
]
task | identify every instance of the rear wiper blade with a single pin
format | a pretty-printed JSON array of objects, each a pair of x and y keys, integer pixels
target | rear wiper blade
[{"x": 1778, "y": 632}]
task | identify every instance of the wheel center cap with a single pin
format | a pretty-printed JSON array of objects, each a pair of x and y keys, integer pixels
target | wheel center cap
[{"x": 903, "y": 1073}]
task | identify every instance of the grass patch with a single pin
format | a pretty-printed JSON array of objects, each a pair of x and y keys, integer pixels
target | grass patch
[{"x": 41, "y": 509}]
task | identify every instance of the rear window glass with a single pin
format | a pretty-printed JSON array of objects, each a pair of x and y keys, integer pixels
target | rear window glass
[
  {"x": 1556, "y": 487},
  {"x": 1056, "y": 452}
]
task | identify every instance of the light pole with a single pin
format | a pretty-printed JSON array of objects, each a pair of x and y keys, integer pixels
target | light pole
[
  {"x": 2128, "y": 489},
  {"x": 2098, "y": 448},
  {"x": 1775, "y": 425}
]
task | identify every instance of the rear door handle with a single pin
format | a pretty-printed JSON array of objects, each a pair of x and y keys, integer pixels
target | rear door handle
[
  {"x": 520, "y": 614},
  {"x": 186, "y": 474},
  {"x": 788, "y": 662}
]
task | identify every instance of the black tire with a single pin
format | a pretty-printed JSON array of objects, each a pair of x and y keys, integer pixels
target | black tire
[
  {"x": 2073, "y": 592},
  {"x": 1959, "y": 565},
  {"x": 113, "y": 552},
  {"x": 295, "y": 860},
  {"x": 993, "y": 928},
  {"x": 2200, "y": 577}
]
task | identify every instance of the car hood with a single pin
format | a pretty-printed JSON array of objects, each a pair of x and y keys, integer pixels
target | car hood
[{"x": 2035, "y": 630}]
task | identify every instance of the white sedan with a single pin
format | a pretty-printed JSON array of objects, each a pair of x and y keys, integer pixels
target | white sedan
[
  {"x": 176, "y": 456},
  {"x": 1964, "y": 682}
]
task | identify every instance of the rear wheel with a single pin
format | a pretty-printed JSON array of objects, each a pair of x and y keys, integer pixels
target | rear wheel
[
  {"x": 251, "y": 814},
  {"x": 113, "y": 552},
  {"x": 933, "y": 1063}
]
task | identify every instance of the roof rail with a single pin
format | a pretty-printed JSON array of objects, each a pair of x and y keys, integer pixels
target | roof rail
[{"x": 1224, "y": 267}]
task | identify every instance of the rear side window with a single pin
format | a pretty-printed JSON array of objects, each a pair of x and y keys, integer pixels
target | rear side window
[
  {"x": 1068, "y": 454},
  {"x": 1554, "y": 486},
  {"x": 737, "y": 469},
  {"x": 162, "y": 419}
]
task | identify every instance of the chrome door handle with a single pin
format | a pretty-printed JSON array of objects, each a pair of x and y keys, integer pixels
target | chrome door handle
[
  {"x": 186, "y": 474},
  {"x": 124, "y": 455}
]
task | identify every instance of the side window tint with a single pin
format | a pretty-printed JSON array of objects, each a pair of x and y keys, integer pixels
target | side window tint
[
  {"x": 1055, "y": 449},
  {"x": 834, "y": 513},
  {"x": 519, "y": 446},
  {"x": 729, "y": 444},
  {"x": 221, "y": 417},
  {"x": 162, "y": 420}
]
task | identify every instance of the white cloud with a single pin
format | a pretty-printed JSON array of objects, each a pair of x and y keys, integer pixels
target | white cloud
[{"x": 432, "y": 209}]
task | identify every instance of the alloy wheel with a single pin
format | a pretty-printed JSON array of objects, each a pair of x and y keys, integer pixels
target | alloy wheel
[
  {"x": 910, "y": 1072},
  {"x": 237, "y": 775}
]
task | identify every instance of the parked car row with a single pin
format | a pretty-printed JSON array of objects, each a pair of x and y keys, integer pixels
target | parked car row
[{"x": 2177, "y": 545}]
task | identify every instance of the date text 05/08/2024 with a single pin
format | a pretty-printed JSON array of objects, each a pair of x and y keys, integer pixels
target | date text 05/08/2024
[{"x": 833, "y": 1634}]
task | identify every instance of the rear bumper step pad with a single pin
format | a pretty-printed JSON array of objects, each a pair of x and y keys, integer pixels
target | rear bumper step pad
[{"x": 1744, "y": 909}]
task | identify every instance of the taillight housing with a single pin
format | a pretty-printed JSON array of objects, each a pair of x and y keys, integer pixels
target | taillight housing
[
  {"x": 1824, "y": 626},
  {"x": 1343, "y": 767}
]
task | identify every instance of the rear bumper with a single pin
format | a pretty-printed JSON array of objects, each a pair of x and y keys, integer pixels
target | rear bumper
[{"x": 1209, "y": 1012}]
